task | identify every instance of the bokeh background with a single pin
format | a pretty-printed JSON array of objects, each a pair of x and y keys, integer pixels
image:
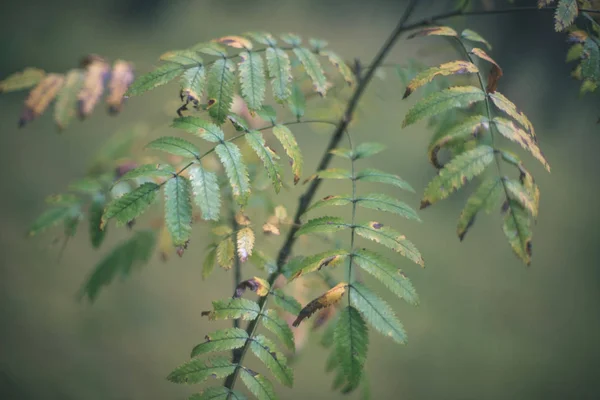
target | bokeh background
[{"x": 487, "y": 327}]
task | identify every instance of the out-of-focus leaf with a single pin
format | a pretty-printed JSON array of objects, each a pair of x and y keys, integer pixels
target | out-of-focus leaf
[
  {"x": 40, "y": 97},
  {"x": 313, "y": 68},
  {"x": 25, "y": 79},
  {"x": 178, "y": 209},
  {"x": 450, "y": 68},
  {"x": 97, "y": 72},
  {"x": 121, "y": 78},
  {"x": 66, "y": 101},
  {"x": 130, "y": 205}
]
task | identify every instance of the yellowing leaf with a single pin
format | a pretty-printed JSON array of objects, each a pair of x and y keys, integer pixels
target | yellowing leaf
[
  {"x": 237, "y": 42},
  {"x": 225, "y": 253},
  {"x": 288, "y": 141},
  {"x": 245, "y": 243},
  {"x": 258, "y": 285},
  {"x": 120, "y": 80},
  {"x": 511, "y": 131},
  {"x": 97, "y": 71},
  {"x": 327, "y": 299},
  {"x": 450, "y": 68},
  {"x": 25, "y": 79},
  {"x": 496, "y": 72},
  {"x": 40, "y": 97},
  {"x": 475, "y": 37},
  {"x": 509, "y": 108},
  {"x": 66, "y": 101},
  {"x": 341, "y": 65},
  {"x": 433, "y": 31}
]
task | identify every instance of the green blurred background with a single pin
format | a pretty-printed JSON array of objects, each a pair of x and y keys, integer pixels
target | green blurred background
[{"x": 487, "y": 327}]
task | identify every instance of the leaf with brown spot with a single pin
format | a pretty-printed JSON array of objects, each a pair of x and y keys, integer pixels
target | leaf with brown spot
[
  {"x": 433, "y": 31},
  {"x": 316, "y": 262},
  {"x": 484, "y": 198},
  {"x": 495, "y": 73},
  {"x": 511, "y": 131},
  {"x": 245, "y": 243},
  {"x": 258, "y": 285},
  {"x": 509, "y": 108},
  {"x": 517, "y": 229},
  {"x": 25, "y": 79},
  {"x": 468, "y": 129},
  {"x": 120, "y": 80},
  {"x": 40, "y": 97},
  {"x": 327, "y": 299},
  {"x": 97, "y": 71},
  {"x": 237, "y": 42},
  {"x": 450, "y": 68}
]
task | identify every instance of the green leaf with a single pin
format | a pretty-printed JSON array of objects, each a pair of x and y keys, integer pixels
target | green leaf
[
  {"x": 86, "y": 185},
  {"x": 221, "y": 80},
  {"x": 388, "y": 237},
  {"x": 566, "y": 12},
  {"x": 467, "y": 129},
  {"x": 211, "y": 48},
  {"x": 66, "y": 101},
  {"x": 258, "y": 385},
  {"x": 428, "y": 75},
  {"x": 209, "y": 262},
  {"x": 351, "y": 344},
  {"x": 280, "y": 72},
  {"x": 341, "y": 65},
  {"x": 263, "y": 38},
  {"x": 182, "y": 57},
  {"x": 266, "y": 351},
  {"x": 288, "y": 141},
  {"x": 484, "y": 198},
  {"x": 72, "y": 221},
  {"x": 322, "y": 225},
  {"x": 517, "y": 192},
  {"x": 252, "y": 79},
  {"x": 574, "y": 53},
  {"x": 234, "y": 309},
  {"x": 130, "y": 205},
  {"x": 175, "y": 146},
  {"x": 288, "y": 303},
  {"x": 341, "y": 200},
  {"x": 392, "y": 277},
  {"x": 590, "y": 63},
  {"x": 313, "y": 68},
  {"x": 383, "y": 202},
  {"x": 178, "y": 209},
  {"x": 231, "y": 158},
  {"x": 206, "y": 192},
  {"x": 517, "y": 228},
  {"x": 291, "y": 39},
  {"x": 132, "y": 253},
  {"x": 224, "y": 339},
  {"x": 218, "y": 393},
  {"x": 367, "y": 149},
  {"x": 48, "y": 219},
  {"x": 474, "y": 37},
  {"x": 96, "y": 210},
  {"x": 199, "y": 127},
  {"x": 268, "y": 157},
  {"x": 197, "y": 371},
  {"x": 334, "y": 173},
  {"x": 267, "y": 113},
  {"x": 375, "y": 175},
  {"x": 456, "y": 173},
  {"x": 377, "y": 312},
  {"x": 273, "y": 322},
  {"x": 445, "y": 100},
  {"x": 317, "y": 44},
  {"x": 297, "y": 101},
  {"x": 316, "y": 262},
  {"x": 148, "y": 171},
  {"x": 25, "y": 79},
  {"x": 192, "y": 83},
  {"x": 160, "y": 76}
]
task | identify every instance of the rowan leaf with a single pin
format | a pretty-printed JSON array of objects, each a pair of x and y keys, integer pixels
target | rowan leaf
[
  {"x": 388, "y": 237},
  {"x": 450, "y": 68},
  {"x": 186, "y": 58},
  {"x": 210, "y": 48},
  {"x": 322, "y": 225},
  {"x": 334, "y": 173},
  {"x": 258, "y": 385},
  {"x": 199, "y": 127},
  {"x": 49, "y": 219},
  {"x": 266, "y": 351},
  {"x": 148, "y": 171},
  {"x": 66, "y": 100},
  {"x": 175, "y": 146},
  {"x": 512, "y": 132},
  {"x": 224, "y": 339},
  {"x": 193, "y": 81},
  {"x": 121, "y": 260},
  {"x": 25, "y": 79},
  {"x": 467, "y": 129},
  {"x": 252, "y": 79},
  {"x": 508, "y": 107},
  {"x": 351, "y": 345},
  {"x": 218, "y": 393},
  {"x": 341, "y": 65},
  {"x": 280, "y": 72},
  {"x": 325, "y": 300},
  {"x": 256, "y": 140},
  {"x": 367, "y": 149},
  {"x": 263, "y": 38},
  {"x": 234, "y": 309},
  {"x": 387, "y": 273},
  {"x": 376, "y": 312},
  {"x": 160, "y": 76},
  {"x": 445, "y": 100},
  {"x": 95, "y": 218},
  {"x": 274, "y": 323},
  {"x": 221, "y": 81},
  {"x": 313, "y": 68},
  {"x": 206, "y": 192},
  {"x": 236, "y": 170},
  {"x": 433, "y": 31},
  {"x": 237, "y": 42},
  {"x": 288, "y": 141},
  {"x": 96, "y": 73},
  {"x": 457, "y": 173},
  {"x": 121, "y": 77},
  {"x": 245, "y": 243},
  {"x": 566, "y": 12},
  {"x": 382, "y": 202},
  {"x": 130, "y": 205},
  {"x": 40, "y": 97},
  {"x": 590, "y": 62},
  {"x": 286, "y": 302},
  {"x": 197, "y": 371},
  {"x": 484, "y": 198},
  {"x": 178, "y": 209},
  {"x": 495, "y": 73},
  {"x": 297, "y": 101},
  {"x": 316, "y": 262},
  {"x": 517, "y": 229},
  {"x": 208, "y": 265},
  {"x": 226, "y": 253},
  {"x": 473, "y": 36},
  {"x": 518, "y": 193},
  {"x": 375, "y": 175}
]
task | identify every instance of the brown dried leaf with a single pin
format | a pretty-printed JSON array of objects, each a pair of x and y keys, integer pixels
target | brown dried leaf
[
  {"x": 245, "y": 243},
  {"x": 269, "y": 228},
  {"x": 97, "y": 71},
  {"x": 258, "y": 285},
  {"x": 120, "y": 79},
  {"x": 327, "y": 299},
  {"x": 237, "y": 42},
  {"x": 242, "y": 219},
  {"x": 495, "y": 73},
  {"x": 40, "y": 97}
]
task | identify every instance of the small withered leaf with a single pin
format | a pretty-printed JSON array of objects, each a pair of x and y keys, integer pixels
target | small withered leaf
[
  {"x": 258, "y": 285},
  {"x": 237, "y": 42},
  {"x": 121, "y": 78},
  {"x": 327, "y": 299}
]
